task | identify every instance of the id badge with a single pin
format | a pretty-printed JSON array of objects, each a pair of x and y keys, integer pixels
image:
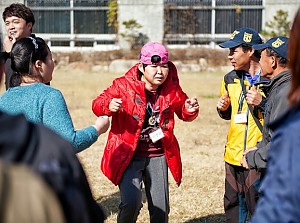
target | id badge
[
  {"x": 240, "y": 118},
  {"x": 156, "y": 135}
]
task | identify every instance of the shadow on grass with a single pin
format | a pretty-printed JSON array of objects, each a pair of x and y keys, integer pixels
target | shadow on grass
[
  {"x": 216, "y": 218},
  {"x": 110, "y": 203}
]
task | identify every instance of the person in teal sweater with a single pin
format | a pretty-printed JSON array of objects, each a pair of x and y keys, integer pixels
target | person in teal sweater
[{"x": 33, "y": 66}]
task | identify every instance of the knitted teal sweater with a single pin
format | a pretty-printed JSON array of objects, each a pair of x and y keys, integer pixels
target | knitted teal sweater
[{"x": 44, "y": 104}]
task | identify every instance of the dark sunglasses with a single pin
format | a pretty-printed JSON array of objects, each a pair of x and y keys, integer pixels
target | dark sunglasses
[{"x": 155, "y": 59}]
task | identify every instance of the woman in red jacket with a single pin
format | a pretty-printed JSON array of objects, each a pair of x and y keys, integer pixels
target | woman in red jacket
[{"x": 141, "y": 144}]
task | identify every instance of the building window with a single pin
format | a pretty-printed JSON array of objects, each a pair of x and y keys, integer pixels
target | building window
[
  {"x": 77, "y": 21},
  {"x": 205, "y": 21},
  {"x": 91, "y": 22},
  {"x": 50, "y": 21},
  {"x": 233, "y": 14}
]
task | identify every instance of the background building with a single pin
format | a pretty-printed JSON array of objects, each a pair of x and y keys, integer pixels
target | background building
[{"x": 82, "y": 24}]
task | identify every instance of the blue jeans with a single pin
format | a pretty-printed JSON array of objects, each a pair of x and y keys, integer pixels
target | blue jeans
[{"x": 153, "y": 171}]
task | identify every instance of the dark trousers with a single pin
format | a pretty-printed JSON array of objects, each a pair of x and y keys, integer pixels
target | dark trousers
[
  {"x": 241, "y": 193},
  {"x": 154, "y": 173}
]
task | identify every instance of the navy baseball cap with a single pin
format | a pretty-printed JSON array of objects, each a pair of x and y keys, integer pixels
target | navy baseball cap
[
  {"x": 241, "y": 36},
  {"x": 279, "y": 44}
]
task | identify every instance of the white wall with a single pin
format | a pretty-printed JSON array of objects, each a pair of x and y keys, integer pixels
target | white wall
[
  {"x": 272, "y": 6},
  {"x": 148, "y": 13}
]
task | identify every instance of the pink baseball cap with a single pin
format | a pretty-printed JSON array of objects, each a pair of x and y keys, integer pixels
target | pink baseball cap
[{"x": 154, "y": 49}]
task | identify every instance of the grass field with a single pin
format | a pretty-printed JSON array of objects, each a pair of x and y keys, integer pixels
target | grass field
[{"x": 200, "y": 196}]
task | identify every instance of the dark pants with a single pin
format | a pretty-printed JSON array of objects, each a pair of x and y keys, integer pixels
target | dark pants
[
  {"x": 154, "y": 173},
  {"x": 241, "y": 193}
]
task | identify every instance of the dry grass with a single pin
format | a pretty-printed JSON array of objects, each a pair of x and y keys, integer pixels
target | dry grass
[{"x": 200, "y": 197}]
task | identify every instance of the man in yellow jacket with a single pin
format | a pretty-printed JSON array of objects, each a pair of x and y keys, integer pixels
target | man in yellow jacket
[{"x": 241, "y": 185}]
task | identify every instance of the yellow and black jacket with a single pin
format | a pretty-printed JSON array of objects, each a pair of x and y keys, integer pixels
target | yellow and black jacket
[{"x": 241, "y": 135}]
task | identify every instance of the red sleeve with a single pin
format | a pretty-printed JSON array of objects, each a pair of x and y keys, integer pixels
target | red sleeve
[
  {"x": 181, "y": 111},
  {"x": 101, "y": 103}
]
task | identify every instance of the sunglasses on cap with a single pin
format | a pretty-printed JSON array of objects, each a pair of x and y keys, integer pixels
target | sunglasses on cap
[{"x": 155, "y": 59}]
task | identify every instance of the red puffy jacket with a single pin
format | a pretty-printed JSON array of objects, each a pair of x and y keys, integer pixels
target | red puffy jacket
[{"x": 127, "y": 123}]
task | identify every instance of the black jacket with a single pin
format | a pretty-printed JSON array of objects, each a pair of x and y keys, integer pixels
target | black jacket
[
  {"x": 277, "y": 104},
  {"x": 54, "y": 159}
]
